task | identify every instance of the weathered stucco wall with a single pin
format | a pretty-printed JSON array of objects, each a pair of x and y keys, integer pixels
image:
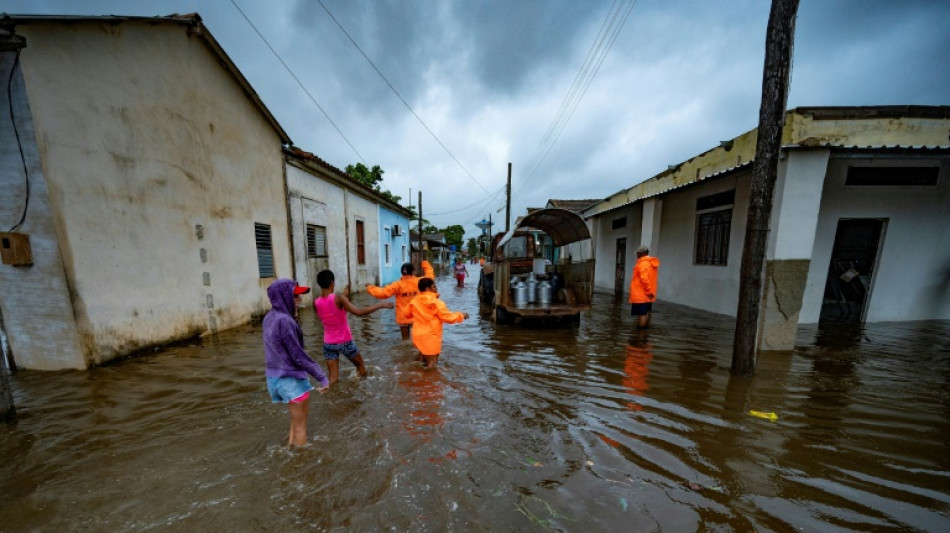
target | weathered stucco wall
[
  {"x": 315, "y": 201},
  {"x": 359, "y": 208},
  {"x": 34, "y": 300},
  {"x": 158, "y": 167}
]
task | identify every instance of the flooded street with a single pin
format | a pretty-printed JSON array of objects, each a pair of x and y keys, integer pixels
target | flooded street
[{"x": 590, "y": 428}]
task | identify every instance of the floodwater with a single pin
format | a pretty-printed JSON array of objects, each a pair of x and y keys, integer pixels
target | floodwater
[{"x": 595, "y": 427}]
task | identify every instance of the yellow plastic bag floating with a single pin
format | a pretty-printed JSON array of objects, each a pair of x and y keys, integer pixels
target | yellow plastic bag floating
[{"x": 768, "y": 416}]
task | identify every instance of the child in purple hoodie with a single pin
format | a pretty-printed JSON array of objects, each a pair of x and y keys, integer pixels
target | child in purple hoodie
[{"x": 287, "y": 364}]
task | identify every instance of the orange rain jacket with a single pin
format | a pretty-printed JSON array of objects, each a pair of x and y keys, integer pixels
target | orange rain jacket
[
  {"x": 643, "y": 281},
  {"x": 427, "y": 313},
  {"x": 404, "y": 289}
]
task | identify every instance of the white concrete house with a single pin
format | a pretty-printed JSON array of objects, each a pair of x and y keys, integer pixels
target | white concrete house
[
  {"x": 334, "y": 223},
  {"x": 145, "y": 179},
  {"x": 858, "y": 229}
]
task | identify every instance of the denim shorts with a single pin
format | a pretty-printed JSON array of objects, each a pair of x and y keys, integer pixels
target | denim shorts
[
  {"x": 286, "y": 389},
  {"x": 333, "y": 351}
]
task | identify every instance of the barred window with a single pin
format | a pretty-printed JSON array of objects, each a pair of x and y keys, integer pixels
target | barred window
[
  {"x": 712, "y": 237},
  {"x": 316, "y": 241},
  {"x": 265, "y": 253},
  {"x": 389, "y": 260}
]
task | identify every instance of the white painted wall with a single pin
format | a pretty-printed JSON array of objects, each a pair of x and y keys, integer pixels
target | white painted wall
[
  {"x": 713, "y": 288},
  {"x": 605, "y": 238},
  {"x": 143, "y": 137},
  {"x": 359, "y": 208},
  {"x": 315, "y": 201},
  {"x": 914, "y": 265}
]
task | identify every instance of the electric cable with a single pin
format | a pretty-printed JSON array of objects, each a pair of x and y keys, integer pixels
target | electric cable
[
  {"x": 294, "y": 76},
  {"x": 403, "y": 100},
  {"x": 19, "y": 143}
]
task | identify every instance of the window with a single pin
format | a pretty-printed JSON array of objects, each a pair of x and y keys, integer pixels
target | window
[
  {"x": 893, "y": 176},
  {"x": 618, "y": 223},
  {"x": 389, "y": 260},
  {"x": 265, "y": 254},
  {"x": 316, "y": 241},
  {"x": 713, "y": 225},
  {"x": 360, "y": 244},
  {"x": 403, "y": 253}
]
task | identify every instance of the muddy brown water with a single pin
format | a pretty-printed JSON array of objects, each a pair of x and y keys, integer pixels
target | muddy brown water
[{"x": 589, "y": 428}]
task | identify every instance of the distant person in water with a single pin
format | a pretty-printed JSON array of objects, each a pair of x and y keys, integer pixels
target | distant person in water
[
  {"x": 460, "y": 273},
  {"x": 428, "y": 313},
  {"x": 404, "y": 289},
  {"x": 643, "y": 284},
  {"x": 287, "y": 364},
  {"x": 337, "y": 339}
]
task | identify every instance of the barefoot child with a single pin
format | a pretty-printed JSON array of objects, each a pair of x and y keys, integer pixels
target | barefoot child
[
  {"x": 286, "y": 363},
  {"x": 427, "y": 313},
  {"x": 404, "y": 289},
  {"x": 337, "y": 339}
]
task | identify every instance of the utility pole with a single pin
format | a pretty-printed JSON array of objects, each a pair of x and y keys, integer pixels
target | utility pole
[
  {"x": 508, "y": 202},
  {"x": 778, "y": 52},
  {"x": 420, "y": 232}
]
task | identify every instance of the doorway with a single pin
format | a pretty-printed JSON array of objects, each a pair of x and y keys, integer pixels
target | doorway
[
  {"x": 854, "y": 257},
  {"x": 621, "y": 268}
]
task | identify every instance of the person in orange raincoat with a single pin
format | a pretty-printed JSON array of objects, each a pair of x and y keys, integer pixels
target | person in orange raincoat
[
  {"x": 643, "y": 286},
  {"x": 404, "y": 289},
  {"x": 428, "y": 313}
]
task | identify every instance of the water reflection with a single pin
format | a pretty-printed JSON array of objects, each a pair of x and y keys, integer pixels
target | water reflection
[{"x": 596, "y": 427}]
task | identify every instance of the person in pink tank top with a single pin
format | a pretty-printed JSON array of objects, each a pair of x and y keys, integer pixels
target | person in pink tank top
[{"x": 331, "y": 309}]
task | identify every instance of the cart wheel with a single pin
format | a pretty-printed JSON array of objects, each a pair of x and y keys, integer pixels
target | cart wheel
[{"x": 501, "y": 316}]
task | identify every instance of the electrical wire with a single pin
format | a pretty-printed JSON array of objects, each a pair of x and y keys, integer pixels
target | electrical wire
[
  {"x": 614, "y": 21},
  {"x": 19, "y": 143},
  {"x": 403, "y": 100},
  {"x": 294, "y": 76}
]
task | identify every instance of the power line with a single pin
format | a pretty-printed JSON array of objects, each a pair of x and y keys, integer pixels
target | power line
[
  {"x": 610, "y": 29},
  {"x": 403, "y": 100},
  {"x": 294, "y": 76}
]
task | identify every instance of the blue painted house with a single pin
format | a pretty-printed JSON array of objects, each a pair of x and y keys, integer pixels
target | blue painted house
[{"x": 393, "y": 242}]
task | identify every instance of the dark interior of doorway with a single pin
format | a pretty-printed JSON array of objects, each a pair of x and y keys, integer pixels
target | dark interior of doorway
[{"x": 850, "y": 271}]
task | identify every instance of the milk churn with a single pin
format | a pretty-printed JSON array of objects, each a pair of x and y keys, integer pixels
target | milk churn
[
  {"x": 532, "y": 288},
  {"x": 544, "y": 293},
  {"x": 519, "y": 294}
]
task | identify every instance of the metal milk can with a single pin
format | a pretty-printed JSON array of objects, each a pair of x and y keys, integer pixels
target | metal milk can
[
  {"x": 544, "y": 293},
  {"x": 519, "y": 294}
]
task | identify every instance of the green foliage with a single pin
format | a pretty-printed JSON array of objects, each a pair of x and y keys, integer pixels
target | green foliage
[
  {"x": 454, "y": 235},
  {"x": 472, "y": 247},
  {"x": 371, "y": 177}
]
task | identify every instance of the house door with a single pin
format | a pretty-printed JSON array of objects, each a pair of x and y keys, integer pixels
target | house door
[
  {"x": 851, "y": 271},
  {"x": 621, "y": 270}
]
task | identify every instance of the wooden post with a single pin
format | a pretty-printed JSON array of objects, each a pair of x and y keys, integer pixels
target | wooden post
[
  {"x": 778, "y": 51},
  {"x": 508, "y": 202}
]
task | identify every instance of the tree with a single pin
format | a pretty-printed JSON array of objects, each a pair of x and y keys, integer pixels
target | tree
[
  {"x": 472, "y": 247},
  {"x": 454, "y": 235},
  {"x": 371, "y": 177}
]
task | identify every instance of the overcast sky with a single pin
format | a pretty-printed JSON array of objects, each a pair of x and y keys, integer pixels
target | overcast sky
[{"x": 485, "y": 81}]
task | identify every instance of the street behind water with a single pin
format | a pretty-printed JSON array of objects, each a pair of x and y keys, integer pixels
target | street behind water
[{"x": 596, "y": 427}]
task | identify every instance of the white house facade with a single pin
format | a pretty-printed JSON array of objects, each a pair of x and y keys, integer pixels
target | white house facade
[
  {"x": 857, "y": 232},
  {"x": 145, "y": 179}
]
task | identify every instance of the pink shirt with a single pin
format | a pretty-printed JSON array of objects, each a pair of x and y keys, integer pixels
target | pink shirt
[{"x": 336, "y": 330}]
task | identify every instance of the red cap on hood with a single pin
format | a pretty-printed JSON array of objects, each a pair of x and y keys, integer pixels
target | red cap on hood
[{"x": 301, "y": 289}]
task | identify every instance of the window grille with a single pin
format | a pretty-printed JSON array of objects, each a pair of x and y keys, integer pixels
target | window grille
[
  {"x": 316, "y": 241},
  {"x": 265, "y": 253},
  {"x": 712, "y": 237}
]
